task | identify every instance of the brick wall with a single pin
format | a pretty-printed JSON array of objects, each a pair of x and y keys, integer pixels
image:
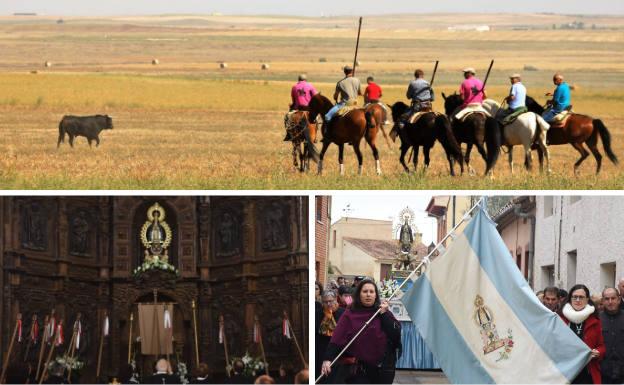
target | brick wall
[{"x": 322, "y": 223}]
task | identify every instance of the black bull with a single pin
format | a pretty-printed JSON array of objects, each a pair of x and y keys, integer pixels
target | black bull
[{"x": 87, "y": 126}]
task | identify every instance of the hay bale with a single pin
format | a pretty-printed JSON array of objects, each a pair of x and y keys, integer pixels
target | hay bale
[
  {"x": 265, "y": 66},
  {"x": 34, "y": 72},
  {"x": 48, "y": 64},
  {"x": 155, "y": 61},
  {"x": 528, "y": 67},
  {"x": 223, "y": 65}
]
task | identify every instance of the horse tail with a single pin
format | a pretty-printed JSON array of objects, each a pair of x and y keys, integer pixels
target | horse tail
[
  {"x": 605, "y": 135},
  {"x": 446, "y": 136},
  {"x": 369, "y": 123},
  {"x": 493, "y": 142},
  {"x": 312, "y": 152}
]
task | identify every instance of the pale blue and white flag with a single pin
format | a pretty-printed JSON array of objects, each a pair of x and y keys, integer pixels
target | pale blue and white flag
[{"x": 482, "y": 321}]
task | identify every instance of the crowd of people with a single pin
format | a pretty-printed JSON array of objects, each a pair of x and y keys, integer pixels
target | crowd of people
[
  {"x": 341, "y": 312},
  {"x": 166, "y": 374},
  {"x": 598, "y": 320}
]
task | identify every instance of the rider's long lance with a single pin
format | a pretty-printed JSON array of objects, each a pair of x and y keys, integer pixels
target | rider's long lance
[
  {"x": 357, "y": 46},
  {"x": 487, "y": 75},
  {"x": 424, "y": 260},
  {"x": 44, "y": 338},
  {"x": 18, "y": 323},
  {"x": 435, "y": 69}
]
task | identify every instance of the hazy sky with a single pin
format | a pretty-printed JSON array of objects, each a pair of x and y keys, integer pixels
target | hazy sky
[
  {"x": 382, "y": 206},
  {"x": 304, "y": 8}
]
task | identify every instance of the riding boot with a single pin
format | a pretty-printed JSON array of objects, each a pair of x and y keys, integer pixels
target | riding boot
[
  {"x": 327, "y": 127},
  {"x": 288, "y": 137}
]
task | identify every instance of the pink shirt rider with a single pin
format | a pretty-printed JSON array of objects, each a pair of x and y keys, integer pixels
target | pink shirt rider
[
  {"x": 301, "y": 94},
  {"x": 470, "y": 91}
]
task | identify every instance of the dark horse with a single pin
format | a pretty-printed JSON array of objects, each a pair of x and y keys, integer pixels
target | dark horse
[
  {"x": 427, "y": 129},
  {"x": 478, "y": 130},
  {"x": 576, "y": 130},
  {"x": 348, "y": 129},
  {"x": 302, "y": 134}
]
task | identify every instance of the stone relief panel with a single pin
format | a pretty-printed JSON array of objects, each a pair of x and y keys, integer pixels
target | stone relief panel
[
  {"x": 274, "y": 226},
  {"x": 228, "y": 234},
  {"x": 82, "y": 232},
  {"x": 34, "y": 225}
]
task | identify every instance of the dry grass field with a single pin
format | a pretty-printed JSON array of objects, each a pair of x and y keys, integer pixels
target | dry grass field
[{"x": 186, "y": 124}]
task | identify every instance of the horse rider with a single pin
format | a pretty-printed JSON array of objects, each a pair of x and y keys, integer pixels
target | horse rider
[
  {"x": 516, "y": 100},
  {"x": 301, "y": 94},
  {"x": 420, "y": 93},
  {"x": 348, "y": 89},
  {"x": 373, "y": 94},
  {"x": 560, "y": 98},
  {"x": 471, "y": 90}
]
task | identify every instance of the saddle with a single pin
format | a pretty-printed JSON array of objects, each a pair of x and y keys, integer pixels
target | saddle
[
  {"x": 473, "y": 108},
  {"x": 561, "y": 118},
  {"x": 417, "y": 115},
  {"x": 345, "y": 110},
  {"x": 508, "y": 119}
]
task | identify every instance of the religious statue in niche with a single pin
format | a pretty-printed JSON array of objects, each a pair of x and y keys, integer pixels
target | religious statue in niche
[
  {"x": 405, "y": 240},
  {"x": 156, "y": 235},
  {"x": 79, "y": 235},
  {"x": 228, "y": 235},
  {"x": 34, "y": 227},
  {"x": 273, "y": 228}
]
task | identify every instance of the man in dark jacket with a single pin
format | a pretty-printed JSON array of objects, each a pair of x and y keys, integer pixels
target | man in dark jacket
[
  {"x": 612, "y": 318},
  {"x": 162, "y": 375}
]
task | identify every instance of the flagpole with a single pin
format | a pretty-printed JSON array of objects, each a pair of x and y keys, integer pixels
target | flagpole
[
  {"x": 166, "y": 307},
  {"x": 30, "y": 335},
  {"x": 424, "y": 260},
  {"x": 294, "y": 335},
  {"x": 225, "y": 348},
  {"x": 74, "y": 340},
  {"x": 257, "y": 325},
  {"x": 6, "y": 360},
  {"x": 99, "y": 362},
  {"x": 130, "y": 338},
  {"x": 195, "y": 327},
  {"x": 45, "y": 336},
  {"x": 47, "y": 362}
]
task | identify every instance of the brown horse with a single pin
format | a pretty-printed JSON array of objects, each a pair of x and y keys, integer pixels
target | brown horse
[
  {"x": 576, "y": 130},
  {"x": 347, "y": 129},
  {"x": 381, "y": 116},
  {"x": 302, "y": 134}
]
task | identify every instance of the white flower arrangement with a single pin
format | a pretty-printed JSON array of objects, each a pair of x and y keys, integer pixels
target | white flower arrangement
[
  {"x": 388, "y": 287},
  {"x": 155, "y": 264},
  {"x": 68, "y": 362},
  {"x": 182, "y": 372},
  {"x": 253, "y": 365}
]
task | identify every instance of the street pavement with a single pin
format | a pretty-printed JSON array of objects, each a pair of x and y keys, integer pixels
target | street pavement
[{"x": 420, "y": 377}]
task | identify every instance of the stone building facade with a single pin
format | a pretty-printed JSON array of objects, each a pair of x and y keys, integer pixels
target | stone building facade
[{"x": 579, "y": 240}]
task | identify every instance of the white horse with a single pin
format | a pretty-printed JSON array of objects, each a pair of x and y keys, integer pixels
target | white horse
[{"x": 528, "y": 128}]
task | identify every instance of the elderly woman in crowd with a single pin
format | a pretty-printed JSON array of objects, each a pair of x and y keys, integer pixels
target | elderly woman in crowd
[
  {"x": 580, "y": 313},
  {"x": 372, "y": 357},
  {"x": 325, "y": 325}
]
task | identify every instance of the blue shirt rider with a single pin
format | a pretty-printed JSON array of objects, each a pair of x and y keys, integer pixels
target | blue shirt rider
[{"x": 560, "y": 98}]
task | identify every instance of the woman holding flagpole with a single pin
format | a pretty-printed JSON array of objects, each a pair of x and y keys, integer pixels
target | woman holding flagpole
[
  {"x": 372, "y": 356},
  {"x": 582, "y": 316}
]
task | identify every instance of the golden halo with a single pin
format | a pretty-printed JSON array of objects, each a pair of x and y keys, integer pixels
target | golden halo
[{"x": 156, "y": 207}]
